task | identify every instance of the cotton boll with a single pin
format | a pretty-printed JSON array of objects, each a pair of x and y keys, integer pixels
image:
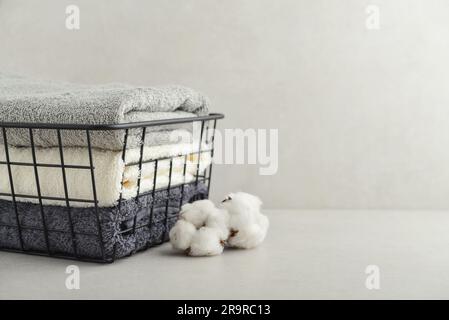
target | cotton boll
[
  {"x": 219, "y": 219},
  {"x": 206, "y": 242},
  {"x": 241, "y": 203},
  {"x": 197, "y": 212},
  {"x": 249, "y": 236},
  {"x": 181, "y": 234},
  {"x": 248, "y": 226},
  {"x": 212, "y": 231}
]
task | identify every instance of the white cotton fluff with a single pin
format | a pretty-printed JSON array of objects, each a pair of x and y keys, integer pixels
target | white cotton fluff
[
  {"x": 206, "y": 242},
  {"x": 248, "y": 226},
  {"x": 201, "y": 229},
  {"x": 204, "y": 230},
  {"x": 219, "y": 220},
  {"x": 181, "y": 234},
  {"x": 197, "y": 212}
]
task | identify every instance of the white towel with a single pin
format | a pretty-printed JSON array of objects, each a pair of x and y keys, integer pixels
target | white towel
[{"x": 109, "y": 170}]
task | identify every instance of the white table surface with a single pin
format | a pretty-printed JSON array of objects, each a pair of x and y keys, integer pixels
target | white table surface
[{"x": 307, "y": 255}]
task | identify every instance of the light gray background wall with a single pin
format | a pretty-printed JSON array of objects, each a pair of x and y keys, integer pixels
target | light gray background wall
[{"x": 363, "y": 115}]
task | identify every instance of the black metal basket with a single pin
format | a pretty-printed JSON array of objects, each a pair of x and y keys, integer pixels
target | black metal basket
[{"x": 96, "y": 233}]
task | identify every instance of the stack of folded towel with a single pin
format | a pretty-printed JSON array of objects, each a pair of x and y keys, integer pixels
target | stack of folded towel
[{"x": 72, "y": 227}]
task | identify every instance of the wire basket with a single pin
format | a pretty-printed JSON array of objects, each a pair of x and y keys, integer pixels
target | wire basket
[{"x": 51, "y": 221}]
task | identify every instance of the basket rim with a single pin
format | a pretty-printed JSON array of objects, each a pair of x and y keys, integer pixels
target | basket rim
[{"x": 117, "y": 126}]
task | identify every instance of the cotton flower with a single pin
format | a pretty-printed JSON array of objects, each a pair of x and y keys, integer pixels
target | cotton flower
[
  {"x": 247, "y": 225},
  {"x": 206, "y": 242},
  {"x": 204, "y": 230},
  {"x": 197, "y": 212},
  {"x": 181, "y": 234},
  {"x": 219, "y": 220},
  {"x": 201, "y": 229}
]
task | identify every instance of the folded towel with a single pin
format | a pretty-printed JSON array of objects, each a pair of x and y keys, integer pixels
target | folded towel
[
  {"x": 109, "y": 171},
  {"x": 26, "y": 100},
  {"x": 116, "y": 224}
]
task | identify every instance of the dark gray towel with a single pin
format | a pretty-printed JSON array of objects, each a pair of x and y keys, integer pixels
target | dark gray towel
[{"x": 117, "y": 225}]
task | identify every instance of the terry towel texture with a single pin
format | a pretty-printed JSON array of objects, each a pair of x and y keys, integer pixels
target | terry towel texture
[
  {"x": 27, "y": 100},
  {"x": 116, "y": 224},
  {"x": 109, "y": 170}
]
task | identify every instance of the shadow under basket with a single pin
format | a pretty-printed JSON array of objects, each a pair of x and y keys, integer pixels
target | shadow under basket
[{"x": 29, "y": 224}]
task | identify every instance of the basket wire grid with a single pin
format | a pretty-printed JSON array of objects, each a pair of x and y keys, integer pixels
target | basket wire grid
[{"x": 207, "y": 134}]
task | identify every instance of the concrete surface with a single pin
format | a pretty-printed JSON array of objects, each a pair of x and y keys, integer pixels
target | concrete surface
[{"x": 308, "y": 254}]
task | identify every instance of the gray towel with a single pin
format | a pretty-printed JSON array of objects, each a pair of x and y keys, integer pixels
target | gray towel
[{"x": 26, "y": 100}]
